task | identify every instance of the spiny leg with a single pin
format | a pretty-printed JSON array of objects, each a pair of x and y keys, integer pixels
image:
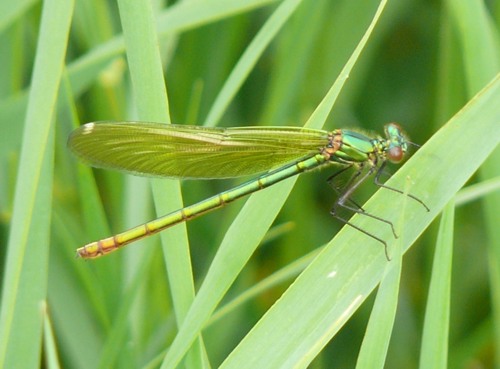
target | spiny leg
[
  {"x": 349, "y": 190},
  {"x": 338, "y": 190},
  {"x": 345, "y": 221},
  {"x": 382, "y": 185},
  {"x": 353, "y": 184}
]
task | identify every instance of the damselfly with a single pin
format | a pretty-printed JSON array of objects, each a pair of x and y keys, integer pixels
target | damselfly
[{"x": 193, "y": 152}]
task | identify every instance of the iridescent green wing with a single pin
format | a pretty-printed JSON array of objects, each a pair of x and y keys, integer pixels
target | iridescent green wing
[{"x": 180, "y": 151}]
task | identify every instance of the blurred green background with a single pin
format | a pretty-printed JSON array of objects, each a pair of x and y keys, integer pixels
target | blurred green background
[{"x": 413, "y": 71}]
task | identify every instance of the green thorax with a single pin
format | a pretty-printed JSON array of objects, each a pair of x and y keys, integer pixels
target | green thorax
[{"x": 358, "y": 148}]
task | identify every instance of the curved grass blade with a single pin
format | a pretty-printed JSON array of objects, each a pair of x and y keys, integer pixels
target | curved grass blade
[{"x": 349, "y": 268}]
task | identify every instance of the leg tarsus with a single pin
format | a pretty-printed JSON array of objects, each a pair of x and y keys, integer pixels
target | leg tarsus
[{"x": 336, "y": 216}]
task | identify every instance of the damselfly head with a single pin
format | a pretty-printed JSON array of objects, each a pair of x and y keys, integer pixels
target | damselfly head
[{"x": 397, "y": 143}]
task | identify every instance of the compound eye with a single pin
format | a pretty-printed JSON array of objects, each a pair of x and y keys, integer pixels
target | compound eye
[{"x": 395, "y": 154}]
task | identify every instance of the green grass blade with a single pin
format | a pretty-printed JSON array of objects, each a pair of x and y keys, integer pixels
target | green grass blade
[
  {"x": 480, "y": 43},
  {"x": 434, "y": 352},
  {"x": 152, "y": 102},
  {"x": 285, "y": 274},
  {"x": 11, "y": 12},
  {"x": 248, "y": 60},
  {"x": 25, "y": 276},
  {"x": 477, "y": 191},
  {"x": 378, "y": 333},
  {"x": 294, "y": 330},
  {"x": 50, "y": 343}
]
